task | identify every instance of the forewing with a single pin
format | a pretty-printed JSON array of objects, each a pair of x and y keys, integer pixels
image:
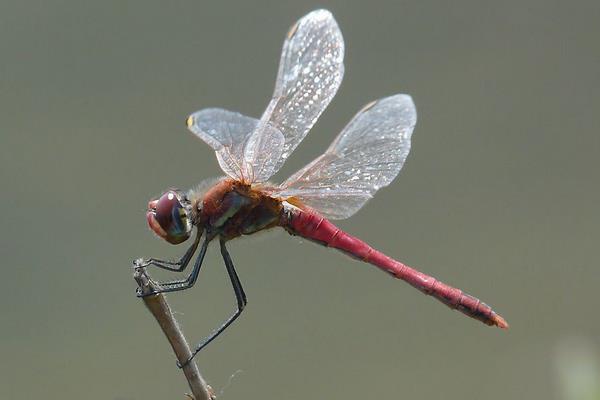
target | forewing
[
  {"x": 310, "y": 72},
  {"x": 366, "y": 156},
  {"x": 226, "y": 132},
  {"x": 262, "y": 152}
]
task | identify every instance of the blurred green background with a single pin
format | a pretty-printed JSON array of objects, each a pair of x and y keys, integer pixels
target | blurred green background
[{"x": 499, "y": 197}]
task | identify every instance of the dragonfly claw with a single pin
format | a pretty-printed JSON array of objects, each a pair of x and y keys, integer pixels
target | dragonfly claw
[
  {"x": 180, "y": 365},
  {"x": 139, "y": 293},
  {"x": 140, "y": 263}
]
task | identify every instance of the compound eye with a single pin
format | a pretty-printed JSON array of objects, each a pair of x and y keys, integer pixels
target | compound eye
[
  {"x": 171, "y": 216},
  {"x": 166, "y": 208}
]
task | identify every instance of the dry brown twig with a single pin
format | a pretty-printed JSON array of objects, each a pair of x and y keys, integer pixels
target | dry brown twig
[{"x": 158, "y": 306}]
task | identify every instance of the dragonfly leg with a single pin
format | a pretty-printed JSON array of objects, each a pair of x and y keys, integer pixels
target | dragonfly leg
[
  {"x": 182, "y": 284},
  {"x": 241, "y": 303},
  {"x": 175, "y": 266}
]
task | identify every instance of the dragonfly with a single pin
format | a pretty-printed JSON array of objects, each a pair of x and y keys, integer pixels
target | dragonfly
[{"x": 366, "y": 156}]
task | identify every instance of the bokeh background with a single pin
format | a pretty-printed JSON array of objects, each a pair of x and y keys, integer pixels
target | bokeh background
[{"x": 499, "y": 197}]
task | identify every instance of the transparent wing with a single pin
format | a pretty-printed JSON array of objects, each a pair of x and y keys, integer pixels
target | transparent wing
[
  {"x": 263, "y": 150},
  {"x": 367, "y": 155},
  {"x": 227, "y": 133},
  {"x": 310, "y": 72}
]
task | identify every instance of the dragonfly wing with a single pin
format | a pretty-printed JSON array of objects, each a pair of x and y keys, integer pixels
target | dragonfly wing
[
  {"x": 310, "y": 72},
  {"x": 227, "y": 133},
  {"x": 366, "y": 156},
  {"x": 262, "y": 153}
]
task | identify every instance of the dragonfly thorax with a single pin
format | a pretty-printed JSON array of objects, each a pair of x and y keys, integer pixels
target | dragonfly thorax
[{"x": 230, "y": 209}]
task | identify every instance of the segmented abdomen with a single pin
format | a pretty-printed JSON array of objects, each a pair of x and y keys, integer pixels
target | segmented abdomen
[{"x": 313, "y": 226}]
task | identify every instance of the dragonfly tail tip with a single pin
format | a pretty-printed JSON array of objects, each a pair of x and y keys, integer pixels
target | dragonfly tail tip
[{"x": 500, "y": 322}]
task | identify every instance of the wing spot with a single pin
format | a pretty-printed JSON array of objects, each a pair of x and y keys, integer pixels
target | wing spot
[
  {"x": 292, "y": 31},
  {"x": 368, "y": 106}
]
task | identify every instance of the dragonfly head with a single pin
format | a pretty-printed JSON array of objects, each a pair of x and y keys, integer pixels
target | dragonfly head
[{"x": 169, "y": 217}]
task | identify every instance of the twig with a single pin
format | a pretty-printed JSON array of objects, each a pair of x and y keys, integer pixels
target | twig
[{"x": 158, "y": 306}]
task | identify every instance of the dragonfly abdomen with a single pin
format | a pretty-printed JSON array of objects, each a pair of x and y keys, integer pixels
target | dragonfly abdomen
[{"x": 316, "y": 228}]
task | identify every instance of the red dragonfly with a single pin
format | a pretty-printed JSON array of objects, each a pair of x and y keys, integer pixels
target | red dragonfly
[{"x": 366, "y": 156}]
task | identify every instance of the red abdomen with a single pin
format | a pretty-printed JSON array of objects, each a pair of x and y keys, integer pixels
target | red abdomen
[{"x": 317, "y": 228}]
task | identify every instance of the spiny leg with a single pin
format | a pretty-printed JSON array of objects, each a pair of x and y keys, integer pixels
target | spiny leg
[
  {"x": 175, "y": 266},
  {"x": 240, "y": 298},
  {"x": 240, "y": 295},
  {"x": 182, "y": 284}
]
